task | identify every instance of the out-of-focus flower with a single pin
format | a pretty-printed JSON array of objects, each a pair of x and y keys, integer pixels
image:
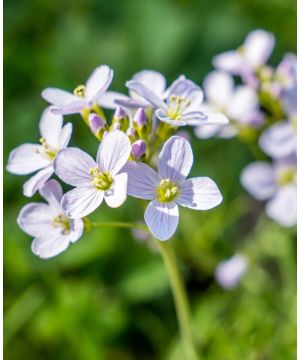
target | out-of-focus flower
[
  {"x": 29, "y": 158},
  {"x": 94, "y": 180},
  {"x": 169, "y": 187},
  {"x": 180, "y": 105},
  {"x": 239, "y": 104},
  {"x": 249, "y": 57},
  {"x": 48, "y": 224},
  {"x": 84, "y": 96},
  {"x": 275, "y": 183},
  {"x": 228, "y": 273},
  {"x": 149, "y": 78}
]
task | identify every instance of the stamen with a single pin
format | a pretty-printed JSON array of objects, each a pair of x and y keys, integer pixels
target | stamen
[
  {"x": 177, "y": 104},
  {"x": 101, "y": 181},
  {"x": 63, "y": 222},
  {"x": 47, "y": 151},
  {"x": 167, "y": 191},
  {"x": 286, "y": 176},
  {"x": 79, "y": 91}
]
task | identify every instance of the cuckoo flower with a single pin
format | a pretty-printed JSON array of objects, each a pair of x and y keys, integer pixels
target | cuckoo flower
[
  {"x": 149, "y": 78},
  {"x": 29, "y": 158},
  {"x": 239, "y": 104},
  {"x": 47, "y": 223},
  {"x": 248, "y": 58},
  {"x": 180, "y": 105},
  {"x": 275, "y": 183},
  {"x": 84, "y": 96},
  {"x": 169, "y": 187},
  {"x": 229, "y": 272},
  {"x": 94, "y": 180}
]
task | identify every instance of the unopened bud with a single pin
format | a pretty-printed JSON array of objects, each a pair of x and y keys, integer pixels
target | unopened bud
[
  {"x": 96, "y": 123},
  {"x": 115, "y": 126},
  {"x": 131, "y": 132},
  {"x": 138, "y": 149},
  {"x": 140, "y": 117},
  {"x": 120, "y": 114}
]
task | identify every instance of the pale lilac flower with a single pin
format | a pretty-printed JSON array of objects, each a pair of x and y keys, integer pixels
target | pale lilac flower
[
  {"x": 29, "y": 158},
  {"x": 169, "y": 187},
  {"x": 138, "y": 149},
  {"x": 239, "y": 104},
  {"x": 149, "y": 78},
  {"x": 47, "y": 223},
  {"x": 180, "y": 105},
  {"x": 248, "y": 58},
  {"x": 94, "y": 180},
  {"x": 228, "y": 273},
  {"x": 276, "y": 184},
  {"x": 84, "y": 96}
]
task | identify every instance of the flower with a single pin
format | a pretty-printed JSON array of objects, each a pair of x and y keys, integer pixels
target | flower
[
  {"x": 169, "y": 187},
  {"x": 182, "y": 105},
  {"x": 237, "y": 104},
  {"x": 248, "y": 58},
  {"x": 84, "y": 96},
  {"x": 94, "y": 180},
  {"x": 149, "y": 78},
  {"x": 275, "y": 183},
  {"x": 229, "y": 272},
  {"x": 29, "y": 158},
  {"x": 47, "y": 223}
]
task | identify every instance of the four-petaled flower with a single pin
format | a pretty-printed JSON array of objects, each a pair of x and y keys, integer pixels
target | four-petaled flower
[
  {"x": 48, "y": 224},
  {"x": 179, "y": 105},
  {"x": 275, "y": 183},
  {"x": 28, "y": 158},
  {"x": 169, "y": 187},
  {"x": 84, "y": 96},
  {"x": 94, "y": 180}
]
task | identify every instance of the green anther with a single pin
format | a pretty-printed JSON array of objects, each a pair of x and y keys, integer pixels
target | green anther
[
  {"x": 176, "y": 106},
  {"x": 101, "y": 181},
  {"x": 63, "y": 222},
  {"x": 167, "y": 191},
  {"x": 48, "y": 151},
  {"x": 79, "y": 91},
  {"x": 286, "y": 176}
]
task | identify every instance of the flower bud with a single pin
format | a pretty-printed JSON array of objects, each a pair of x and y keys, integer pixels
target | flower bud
[
  {"x": 120, "y": 114},
  {"x": 138, "y": 149},
  {"x": 131, "y": 133},
  {"x": 96, "y": 124},
  {"x": 140, "y": 117}
]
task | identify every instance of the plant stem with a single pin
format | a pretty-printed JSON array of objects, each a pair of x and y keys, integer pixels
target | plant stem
[
  {"x": 180, "y": 298},
  {"x": 119, "y": 224}
]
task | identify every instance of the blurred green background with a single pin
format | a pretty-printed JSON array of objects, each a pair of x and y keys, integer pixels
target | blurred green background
[{"x": 108, "y": 297}]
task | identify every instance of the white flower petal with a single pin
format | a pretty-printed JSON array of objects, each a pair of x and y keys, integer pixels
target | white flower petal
[
  {"x": 229, "y": 61},
  {"x": 283, "y": 207},
  {"x": 175, "y": 159},
  {"x": 218, "y": 87},
  {"x": 195, "y": 97},
  {"x": 258, "y": 47},
  {"x": 142, "y": 180},
  {"x": 58, "y": 97},
  {"x": 26, "y": 159},
  {"x": 81, "y": 201},
  {"x": 50, "y": 245},
  {"x": 107, "y": 100},
  {"x": 113, "y": 152},
  {"x": 243, "y": 101},
  {"x": 279, "y": 140},
  {"x": 72, "y": 165},
  {"x": 117, "y": 194},
  {"x": 35, "y": 219},
  {"x": 50, "y": 126},
  {"x": 162, "y": 219},
  {"x": 200, "y": 193},
  {"x": 37, "y": 181},
  {"x": 72, "y": 108},
  {"x": 52, "y": 192},
  {"x": 207, "y": 131},
  {"x": 229, "y": 272},
  {"x": 77, "y": 228},
  {"x": 259, "y": 180},
  {"x": 65, "y": 136},
  {"x": 152, "y": 79},
  {"x": 162, "y": 116},
  {"x": 146, "y": 93},
  {"x": 98, "y": 82}
]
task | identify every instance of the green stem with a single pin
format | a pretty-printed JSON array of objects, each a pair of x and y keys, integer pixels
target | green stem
[
  {"x": 119, "y": 224},
  {"x": 180, "y": 298}
]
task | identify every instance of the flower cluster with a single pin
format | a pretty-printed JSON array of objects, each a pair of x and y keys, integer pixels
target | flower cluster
[{"x": 143, "y": 125}]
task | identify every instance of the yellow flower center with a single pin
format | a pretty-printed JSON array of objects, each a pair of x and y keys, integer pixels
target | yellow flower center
[
  {"x": 101, "y": 181},
  {"x": 79, "y": 91},
  {"x": 63, "y": 222},
  {"x": 286, "y": 176},
  {"x": 167, "y": 191},
  {"x": 48, "y": 151},
  {"x": 177, "y": 104}
]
